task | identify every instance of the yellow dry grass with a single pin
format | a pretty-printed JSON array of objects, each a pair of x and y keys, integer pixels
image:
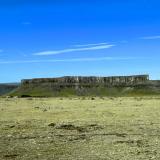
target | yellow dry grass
[{"x": 87, "y": 128}]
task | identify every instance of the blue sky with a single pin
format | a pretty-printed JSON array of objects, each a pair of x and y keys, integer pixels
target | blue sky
[{"x": 53, "y": 38}]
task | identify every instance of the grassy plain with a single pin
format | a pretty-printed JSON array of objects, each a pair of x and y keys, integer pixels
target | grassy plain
[{"x": 80, "y": 128}]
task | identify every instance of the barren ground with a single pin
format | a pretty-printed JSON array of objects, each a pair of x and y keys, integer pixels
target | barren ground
[{"x": 80, "y": 128}]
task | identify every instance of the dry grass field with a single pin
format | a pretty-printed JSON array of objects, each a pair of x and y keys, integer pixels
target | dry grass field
[{"x": 80, "y": 128}]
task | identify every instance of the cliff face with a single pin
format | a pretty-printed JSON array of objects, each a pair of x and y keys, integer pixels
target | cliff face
[
  {"x": 88, "y": 86},
  {"x": 83, "y": 81}
]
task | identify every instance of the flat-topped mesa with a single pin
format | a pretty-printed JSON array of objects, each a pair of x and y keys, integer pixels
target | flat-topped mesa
[{"x": 79, "y": 80}]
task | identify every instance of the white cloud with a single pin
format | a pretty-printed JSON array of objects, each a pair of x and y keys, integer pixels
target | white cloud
[
  {"x": 74, "y": 60},
  {"x": 92, "y": 44},
  {"x": 150, "y": 37},
  {"x": 91, "y": 48}
]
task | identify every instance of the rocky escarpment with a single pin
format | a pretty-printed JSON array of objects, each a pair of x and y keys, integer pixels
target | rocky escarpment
[
  {"x": 88, "y": 86},
  {"x": 91, "y": 81}
]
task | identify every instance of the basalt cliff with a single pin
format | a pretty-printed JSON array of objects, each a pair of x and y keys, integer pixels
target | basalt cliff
[{"x": 88, "y": 86}]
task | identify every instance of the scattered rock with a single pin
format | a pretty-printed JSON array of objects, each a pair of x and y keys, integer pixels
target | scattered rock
[
  {"x": 121, "y": 134},
  {"x": 80, "y": 137},
  {"x": 52, "y": 125},
  {"x": 45, "y": 110},
  {"x": 138, "y": 143},
  {"x": 71, "y": 127},
  {"x": 11, "y": 126},
  {"x": 15, "y": 97},
  {"x": 94, "y": 127},
  {"x": 9, "y": 136},
  {"x": 11, "y": 156},
  {"x": 8, "y": 96},
  {"x": 85, "y": 128},
  {"x": 37, "y": 107}
]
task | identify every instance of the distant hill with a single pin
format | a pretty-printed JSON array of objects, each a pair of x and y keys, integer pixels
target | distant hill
[
  {"x": 88, "y": 86},
  {"x": 6, "y": 88}
]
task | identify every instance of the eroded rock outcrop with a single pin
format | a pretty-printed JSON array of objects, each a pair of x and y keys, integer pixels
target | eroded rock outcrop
[
  {"x": 82, "y": 81},
  {"x": 88, "y": 86}
]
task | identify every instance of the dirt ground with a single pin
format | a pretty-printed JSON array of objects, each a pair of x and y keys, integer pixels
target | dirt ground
[{"x": 80, "y": 128}]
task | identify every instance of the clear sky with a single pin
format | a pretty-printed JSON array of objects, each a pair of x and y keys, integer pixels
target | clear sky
[{"x": 50, "y": 38}]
